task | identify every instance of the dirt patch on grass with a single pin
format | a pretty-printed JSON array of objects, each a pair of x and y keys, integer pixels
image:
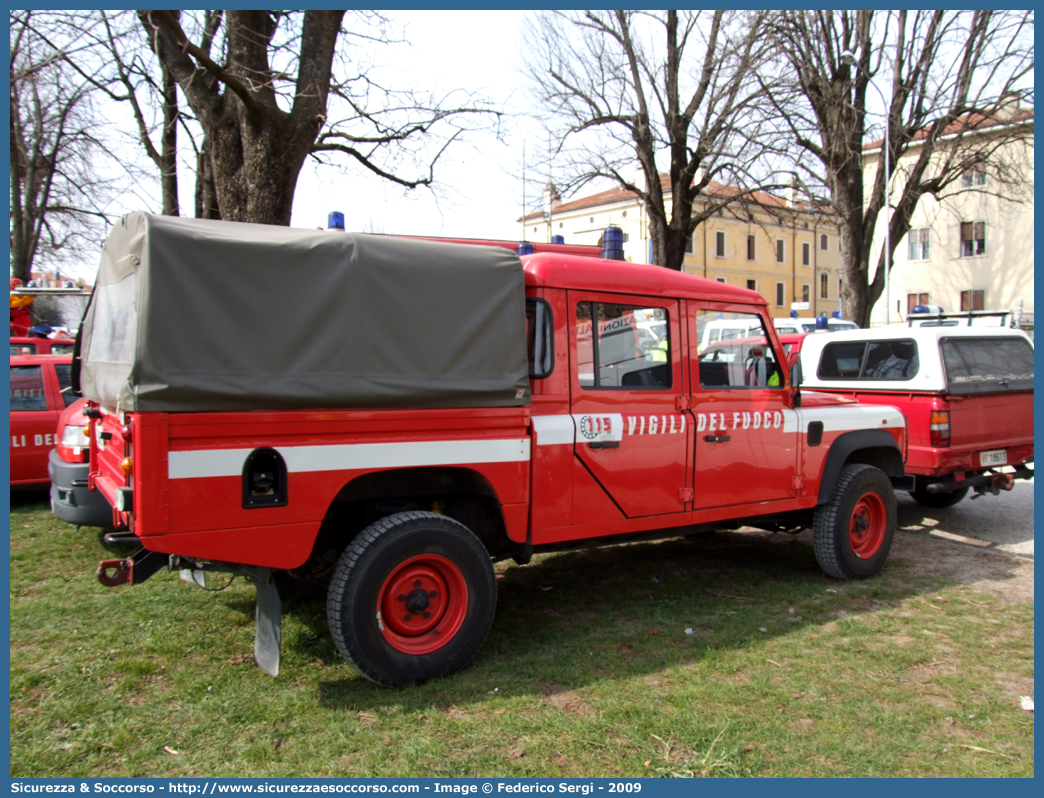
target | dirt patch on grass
[
  {"x": 568, "y": 701},
  {"x": 998, "y": 573}
]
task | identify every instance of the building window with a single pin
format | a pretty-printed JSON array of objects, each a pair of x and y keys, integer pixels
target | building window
[
  {"x": 781, "y": 294},
  {"x": 720, "y": 279},
  {"x": 824, "y": 242},
  {"x": 973, "y": 300},
  {"x": 779, "y": 250},
  {"x": 976, "y": 176},
  {"x": 751, "y": 247},
  {"x": 824, "y": 286},
  {"x": 752, "y": 285},
  {"x": 973, "y": 239},
  {"x": 918, "y": 243},
  {"x": 806, "y": 254},
  {"x": 719, "y": 243},
  {"x": 688, "y": 245},
  {"x": 806, "y": 292},
  {"x": 913, "y": 300}
]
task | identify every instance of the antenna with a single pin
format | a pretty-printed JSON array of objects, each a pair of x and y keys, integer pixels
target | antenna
[{"x": 523, "y": 238}]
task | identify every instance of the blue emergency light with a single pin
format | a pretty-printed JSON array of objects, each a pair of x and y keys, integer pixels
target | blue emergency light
[{"x": 335, "y": 221}]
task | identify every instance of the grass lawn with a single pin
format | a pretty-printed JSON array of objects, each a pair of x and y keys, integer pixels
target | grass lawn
[{"x": 733, "y": 656}]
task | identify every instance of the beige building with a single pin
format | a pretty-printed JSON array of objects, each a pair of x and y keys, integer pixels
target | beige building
[
  {"x": 786, "y": 251},
  {"x": 972, "y": 250}
]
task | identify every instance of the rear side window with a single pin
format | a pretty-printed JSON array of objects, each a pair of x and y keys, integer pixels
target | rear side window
[
  {"x": 62, "y": 349},
  {"x": 23, "y": 349},
  {"x": 27, "y": 389},
  {"x": 987, "y": 365},
  {"x": 540, "y": 339},
  {"x": 869, "y": 360}
]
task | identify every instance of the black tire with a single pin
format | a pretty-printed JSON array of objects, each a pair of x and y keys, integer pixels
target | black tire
[
  {"x": 845, "y": 548},
  {"x": 379, "y": 594},
  {"x": 937, "y": 500}
]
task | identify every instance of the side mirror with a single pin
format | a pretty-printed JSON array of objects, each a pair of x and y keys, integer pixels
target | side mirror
[{"x": 795, "y": 380}]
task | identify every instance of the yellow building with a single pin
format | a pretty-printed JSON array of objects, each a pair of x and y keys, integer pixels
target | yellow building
[{"x": 788, "y": 252}]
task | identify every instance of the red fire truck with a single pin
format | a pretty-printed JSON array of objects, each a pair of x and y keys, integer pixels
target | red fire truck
[{"x": 426, "y": 409}]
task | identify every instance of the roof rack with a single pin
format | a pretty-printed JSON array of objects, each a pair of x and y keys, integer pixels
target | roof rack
[{"x": 964, "y": 314}]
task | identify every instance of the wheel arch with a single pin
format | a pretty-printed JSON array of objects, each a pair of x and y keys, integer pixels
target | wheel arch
[
  {"x": 462, "y": 494},
  {"x": 874, "y": 447}
]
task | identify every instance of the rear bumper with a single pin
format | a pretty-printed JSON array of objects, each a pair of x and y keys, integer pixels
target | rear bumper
[
  {"x": 70, "y": 500},
  {"x": 943, "y": 463},
  {"x": 990, "y": 481}
]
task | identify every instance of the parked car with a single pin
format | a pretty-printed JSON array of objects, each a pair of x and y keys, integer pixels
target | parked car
[
  {"x": 23, "y": 345},
  {"x": 68, "y": 467},
  {"x": 807, "y": 325},
  {"x": 39, "y": 394},
  {"x": 966, "y": 392}
]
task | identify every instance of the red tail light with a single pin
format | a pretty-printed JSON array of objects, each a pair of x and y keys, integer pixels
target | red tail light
[{"x": 940, "y": 426}]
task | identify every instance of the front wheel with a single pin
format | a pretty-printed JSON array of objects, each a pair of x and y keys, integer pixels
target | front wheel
[
  {"x": 853, "y": 532},
  {"x": 937, "y": 500},
  {"x": 412, "y": 597}
]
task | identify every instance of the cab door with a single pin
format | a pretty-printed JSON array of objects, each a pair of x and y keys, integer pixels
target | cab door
[
  {"x": 33, "y": 419},
  {"x": 632, "y": 436},
  {"x": 745, "y": 431}
]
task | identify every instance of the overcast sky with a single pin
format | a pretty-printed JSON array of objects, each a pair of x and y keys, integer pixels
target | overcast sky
[{"x": 480, "y": 192}]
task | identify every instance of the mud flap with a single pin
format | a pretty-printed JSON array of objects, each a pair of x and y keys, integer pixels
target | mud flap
[{"x": 268, "y": 631}]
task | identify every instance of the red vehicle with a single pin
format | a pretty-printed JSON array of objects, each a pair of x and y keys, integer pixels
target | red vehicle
[
  {"x": 39, "y": 394},
  {"x": 966, "y": 392},
  {"x": 68, "y": 468},
  {"x": 459, "y": 407},
  {"x": 24, "y": 345}
]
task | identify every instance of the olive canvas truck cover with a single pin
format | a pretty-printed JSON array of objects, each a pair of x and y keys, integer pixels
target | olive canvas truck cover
[{"x": 200, "y": 315}]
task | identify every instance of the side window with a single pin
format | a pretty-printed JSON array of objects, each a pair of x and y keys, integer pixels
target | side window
[
  {"x": 745, "y": 360},
  {"x": 27, "y": 389},
  {"x": 611, "y": 353},
  {"x": 874, "y": 360},
  {"x": 891, "y": 360},
  {"x": 62, "y": 349},
  {"x": 841, "y": 361},
  {"x": 540, "y": 339},
  {"x": 23, "y": 349},
  {"x": 62, "y": 371}
]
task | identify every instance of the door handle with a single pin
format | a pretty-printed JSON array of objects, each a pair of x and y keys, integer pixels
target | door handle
[
  {"x": 717, "y": 438},
  {"x": 604, "y": 444}
]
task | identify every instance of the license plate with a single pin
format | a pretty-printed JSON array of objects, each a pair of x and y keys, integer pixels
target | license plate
[{"x": 994, "y": 457}]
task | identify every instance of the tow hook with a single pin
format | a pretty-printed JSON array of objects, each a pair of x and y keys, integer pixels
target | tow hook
[
  {"x": 1000, "y": 482},
  {"x": 131, "y": 570},
  {"x": 122, "y": 572}
]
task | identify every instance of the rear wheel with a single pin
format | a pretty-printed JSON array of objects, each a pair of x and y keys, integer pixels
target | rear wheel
[
  {"x": 412, "y": 597},
  {"x": 853, "y": 533},
  {"x": 937, "y": 500}
]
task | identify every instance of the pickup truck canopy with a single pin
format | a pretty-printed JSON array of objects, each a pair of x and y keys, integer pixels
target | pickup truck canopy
[{"x": 197, "y": 315}]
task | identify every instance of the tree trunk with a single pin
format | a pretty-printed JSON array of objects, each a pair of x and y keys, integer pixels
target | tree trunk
[{"x": 169, "y": 146}]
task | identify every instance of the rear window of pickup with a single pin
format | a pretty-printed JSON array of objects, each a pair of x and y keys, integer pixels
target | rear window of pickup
[
  {"x": 987, "y": 365},
  {"x": 869, "y": 360}
]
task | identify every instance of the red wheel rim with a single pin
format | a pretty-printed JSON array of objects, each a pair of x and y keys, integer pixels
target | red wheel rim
[
  {"x": 422, "y": 604},
  {"x": 866, "y": 530}
]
